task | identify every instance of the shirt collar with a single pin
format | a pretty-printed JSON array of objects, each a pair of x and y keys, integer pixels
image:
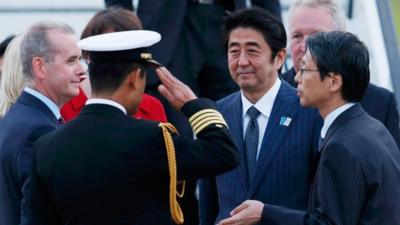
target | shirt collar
[
  {"x": 332, "y": 116},
  {"x": 49, "y": 103},
  {"x": 106, "y": 102},
  {"x": 265, "y": 103}
]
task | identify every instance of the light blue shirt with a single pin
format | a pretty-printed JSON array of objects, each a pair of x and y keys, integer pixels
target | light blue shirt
[
  {"x": 264, "y": 106},
  {"x": 49, "y": 103}
]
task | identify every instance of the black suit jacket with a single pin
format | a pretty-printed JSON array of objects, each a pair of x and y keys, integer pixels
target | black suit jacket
[
  {"x": 107, "y": 168},
  {"x": 378, "y": 102},
  {"x": 27, "y": 120},
  {"x": 357, "y": 179}
]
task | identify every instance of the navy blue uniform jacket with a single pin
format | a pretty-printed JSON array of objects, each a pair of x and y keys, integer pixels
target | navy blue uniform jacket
[{"x": 104, "y": 167}]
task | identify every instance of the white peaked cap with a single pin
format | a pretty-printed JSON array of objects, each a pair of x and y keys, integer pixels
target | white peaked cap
[{"x": 121, "y": 46}]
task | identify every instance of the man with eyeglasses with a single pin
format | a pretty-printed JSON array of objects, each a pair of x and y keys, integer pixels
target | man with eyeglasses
[
  {"x": 358, "y": 175},
  {"x": 309, "y": 16}
]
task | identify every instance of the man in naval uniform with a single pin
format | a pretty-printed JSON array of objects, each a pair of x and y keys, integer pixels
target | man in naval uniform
[{"x": 105, "y": 167}]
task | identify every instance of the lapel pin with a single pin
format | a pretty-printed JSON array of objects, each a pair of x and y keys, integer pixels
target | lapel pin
[{"x": 285, "y": 121}]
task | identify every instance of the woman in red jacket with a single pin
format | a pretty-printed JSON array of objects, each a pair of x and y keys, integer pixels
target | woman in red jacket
[{"x": 106, "y": 21}]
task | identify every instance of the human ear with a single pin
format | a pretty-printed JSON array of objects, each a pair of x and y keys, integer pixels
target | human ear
[
  {"x": 38, "y": 68},
  {"x": 336, "y": 81},
  {"x": 134, "y": 77},
  {"x": 279, "y": 59}
]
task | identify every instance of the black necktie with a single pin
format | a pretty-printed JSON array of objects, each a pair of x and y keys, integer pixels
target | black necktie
[{"x": 251, "y": 142}]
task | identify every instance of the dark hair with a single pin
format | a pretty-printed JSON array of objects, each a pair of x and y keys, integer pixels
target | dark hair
[
  {"x": 112, "y": 19},
  {"x": 4, "y": 44},
  {"x": 342, "y": 53},
  {"x": 261, "y": 20},
  {"x": 108, "y": 76}
]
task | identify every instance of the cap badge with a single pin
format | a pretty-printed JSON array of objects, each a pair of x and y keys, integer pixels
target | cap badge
[{"x": 145, "y": 56}]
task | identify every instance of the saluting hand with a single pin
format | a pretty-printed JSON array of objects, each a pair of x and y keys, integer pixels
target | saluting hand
[{"x": 176, "y": 92}]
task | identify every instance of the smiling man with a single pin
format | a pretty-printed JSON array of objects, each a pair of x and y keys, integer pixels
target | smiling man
[
  {"x": 50, "y": 62},
  {"x": 276, "y": 137}
]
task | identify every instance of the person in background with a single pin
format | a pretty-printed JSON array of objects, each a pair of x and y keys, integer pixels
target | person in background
[
  {"x": 113, "y": 19},
  {"x": 50, "y": 64},
  {"x": 12, "y": 80},
  {"x": 309, "y": 16},
  {"x": 3, "y": 47},
  {"x": 358, "y": 175},
  {"x": 276, "y": 137}
]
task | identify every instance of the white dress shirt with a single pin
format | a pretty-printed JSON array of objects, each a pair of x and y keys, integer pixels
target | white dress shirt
[
  {"x": 332, "y": 116},
  {"x": 264, "y": 106}
]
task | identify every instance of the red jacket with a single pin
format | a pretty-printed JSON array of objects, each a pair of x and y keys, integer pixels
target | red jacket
[{"x": 149, "y": 108}]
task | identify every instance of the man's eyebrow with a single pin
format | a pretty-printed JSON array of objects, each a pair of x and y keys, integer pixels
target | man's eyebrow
[
  {"x": 250, "y": 43},
  {"x": 253, "y": 43},
  {"x": 233, "y": 44},
  {"x": 73, "y": 57}
]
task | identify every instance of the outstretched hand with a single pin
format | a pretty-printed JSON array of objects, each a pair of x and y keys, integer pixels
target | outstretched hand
[
  {"x": 176, "y": 92},
  {"x": 247, "y": 213}
]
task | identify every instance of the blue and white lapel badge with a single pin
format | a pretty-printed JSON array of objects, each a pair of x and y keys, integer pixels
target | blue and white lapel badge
[{"x": 285, "y": 121}]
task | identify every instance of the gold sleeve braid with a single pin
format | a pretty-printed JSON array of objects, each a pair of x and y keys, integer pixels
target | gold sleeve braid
[
  {"x": 175, "y": 209},
  {"x": 204, "y": 118}
]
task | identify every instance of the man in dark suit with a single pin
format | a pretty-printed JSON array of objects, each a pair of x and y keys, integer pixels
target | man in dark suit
[
  {"x": 192, "y": 49},
  {"x": 50, "y": 63},
  {"x": 105, "y": 167},
  {"x": 358, "y": 176},
  {"x": 308, "y": 17},
  {"x": 279, "y": 169}
]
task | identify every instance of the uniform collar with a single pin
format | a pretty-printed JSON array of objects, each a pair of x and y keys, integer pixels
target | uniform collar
[{"x": 106, "y": 102}]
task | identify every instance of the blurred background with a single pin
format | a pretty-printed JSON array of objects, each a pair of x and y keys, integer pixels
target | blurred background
[
  {"x": 376, "y": 22},
  {"x": 396, "y": 17}
]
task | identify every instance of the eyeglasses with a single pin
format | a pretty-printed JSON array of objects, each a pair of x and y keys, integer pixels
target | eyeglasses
[{"x": 302, "y": 70}]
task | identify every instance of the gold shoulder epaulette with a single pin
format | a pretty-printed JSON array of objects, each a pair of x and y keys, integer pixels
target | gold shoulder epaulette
[
  {"x": 204, "y": 118},
  {"x": 175, "y": 209}
]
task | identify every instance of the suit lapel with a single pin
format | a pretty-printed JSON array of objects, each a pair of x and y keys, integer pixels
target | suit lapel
[
  {"x": 234, "y": 119},
  {"x": 350, "y": 113},
  {"x": 275, "y": 132},
  {"x": 30, "y": 100}
]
